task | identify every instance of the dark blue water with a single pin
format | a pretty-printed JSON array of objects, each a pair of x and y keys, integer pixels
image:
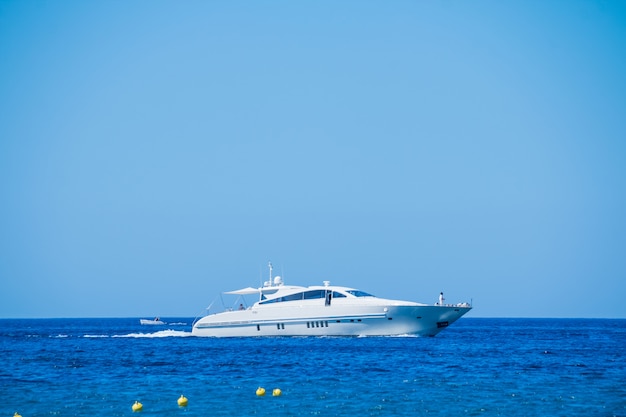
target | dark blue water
[{"x": 476, "y": 367}]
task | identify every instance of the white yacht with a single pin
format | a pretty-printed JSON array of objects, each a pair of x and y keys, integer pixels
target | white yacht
[{"x": 326, "y": 310}]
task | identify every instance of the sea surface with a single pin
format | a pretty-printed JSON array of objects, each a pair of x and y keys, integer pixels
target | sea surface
[{"x": 476, "y": 367}]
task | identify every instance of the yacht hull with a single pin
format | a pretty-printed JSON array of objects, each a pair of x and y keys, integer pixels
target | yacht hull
[{"x": 336, "y": 320}]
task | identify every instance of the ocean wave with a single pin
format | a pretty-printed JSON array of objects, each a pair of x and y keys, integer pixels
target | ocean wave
[{"x": 162, "y": 333}]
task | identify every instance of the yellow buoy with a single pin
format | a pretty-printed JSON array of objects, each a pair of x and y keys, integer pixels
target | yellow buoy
[
  {"x": 137, "y": 406},
  {"x": 182, "y": 401},
  {"x": 260, "y": 391},
  {"x": 277, "y": 392},
  {"x": 16, "y": 414}
]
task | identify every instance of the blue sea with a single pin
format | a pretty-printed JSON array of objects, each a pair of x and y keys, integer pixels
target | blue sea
[{"x": 476, "y": 367}]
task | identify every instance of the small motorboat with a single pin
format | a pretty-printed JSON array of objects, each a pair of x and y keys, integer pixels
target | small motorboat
[{"x": 155, "y": 322}]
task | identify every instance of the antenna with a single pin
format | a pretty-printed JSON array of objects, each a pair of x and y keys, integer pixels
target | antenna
[{"x": 270, "y": 266}]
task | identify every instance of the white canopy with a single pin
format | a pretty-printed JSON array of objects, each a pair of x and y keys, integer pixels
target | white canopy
[{"x": 244, "y": 291}]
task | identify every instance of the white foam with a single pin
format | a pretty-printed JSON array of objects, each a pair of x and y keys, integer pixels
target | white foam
[{"x": 162, "y": 333}]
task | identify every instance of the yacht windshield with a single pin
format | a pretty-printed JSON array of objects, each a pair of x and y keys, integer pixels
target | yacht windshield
[
  {"x": 306, "y": 295},
  {"x": 358, "y": 293}
]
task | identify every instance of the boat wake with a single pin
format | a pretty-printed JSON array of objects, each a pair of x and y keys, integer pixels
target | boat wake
[
  {"x": 162, "y": 333},
  {"x": 159, "y": 334}
]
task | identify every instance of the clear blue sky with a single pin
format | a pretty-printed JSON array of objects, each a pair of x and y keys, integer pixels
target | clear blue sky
[{"x": 155, "y": 153}]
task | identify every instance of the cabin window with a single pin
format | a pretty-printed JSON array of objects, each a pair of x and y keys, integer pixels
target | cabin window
[
  {"x": 311, "y": 295},
  {"x": 273, "y": 300},
  {"x": 316, "y": 324},
  {"x": 358, "y": 293},
  {"x": 292, "y": 297}
]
